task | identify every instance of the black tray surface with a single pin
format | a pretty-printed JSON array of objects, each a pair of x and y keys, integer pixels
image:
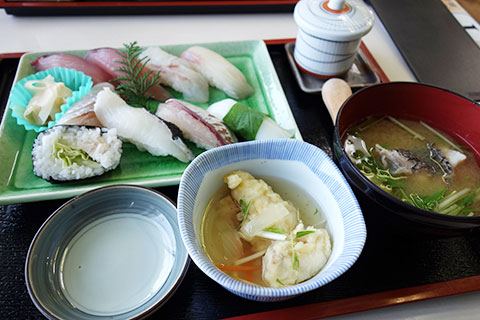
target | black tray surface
[{"x": 390, "y": 260}]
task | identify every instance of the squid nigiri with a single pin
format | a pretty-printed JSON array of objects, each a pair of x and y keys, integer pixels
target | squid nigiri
[
  {"x": 109, "y": 59},
  {"x": 177, "y": 73},
  {"x": 71, "y": 61},
  {"x": 197, "y": 124},
  {"x": 140, "y": 127},
  {"x": 219, "y": 72}
]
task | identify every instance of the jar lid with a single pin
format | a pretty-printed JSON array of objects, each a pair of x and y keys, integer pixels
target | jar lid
[{"x": 337, "y": 20}]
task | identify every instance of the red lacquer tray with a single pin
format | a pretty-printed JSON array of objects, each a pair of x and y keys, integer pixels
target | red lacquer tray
[
  {"x": 38, "y": 7},
  {"x": 394, "y": 267}
]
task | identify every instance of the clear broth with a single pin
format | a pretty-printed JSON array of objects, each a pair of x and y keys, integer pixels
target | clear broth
[{"x": 310, "y": 213}]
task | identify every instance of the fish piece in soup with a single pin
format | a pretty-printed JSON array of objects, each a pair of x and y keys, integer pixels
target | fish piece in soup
[
  {"x": 310, "y": 249},
  {"x": 255, "y": 236},
  {"x": 417, "y": 164},
  {"x": 266, "y": 209}
]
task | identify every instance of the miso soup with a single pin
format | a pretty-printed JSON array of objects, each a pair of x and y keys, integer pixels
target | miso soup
[
  {"x": 416, "y": 163},
  {"x": 248, "y": 224}
]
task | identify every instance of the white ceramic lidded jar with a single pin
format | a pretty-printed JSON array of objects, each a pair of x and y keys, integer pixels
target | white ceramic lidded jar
[{"x": 329, "y": 34}]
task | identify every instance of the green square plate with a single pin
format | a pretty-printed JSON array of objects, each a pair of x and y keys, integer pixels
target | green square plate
[{"x": 19, "y": 184}]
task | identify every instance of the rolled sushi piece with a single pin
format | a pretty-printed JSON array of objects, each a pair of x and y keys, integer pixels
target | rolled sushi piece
[
  {"x": 64, "y": 153},
  {"x": 219, "y": 71},
  {"x": 140, "y": 127},
  {"x": 197, "y": 125},
  {"x": 246, "y": 122},
  {"x": 177, "y": 73}
]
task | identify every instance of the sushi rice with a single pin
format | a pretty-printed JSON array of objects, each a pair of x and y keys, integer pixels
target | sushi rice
[{"x": 64, "y": 153}]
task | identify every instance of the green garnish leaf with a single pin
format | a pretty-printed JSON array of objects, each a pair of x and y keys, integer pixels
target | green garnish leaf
[
  {"x": 455, "y": 203},
  {"x": 440, "y": 202},
  {"x": 315, "y": 212},
  {"x": 274, "y": 230},
  {"x": 281, "y": 283},
  {"x": 245, "y": 208},
  {"x": 244, "y": 120},
  {"x": 303, "y": 233},
  {"x": 136, "y": 81},
  {"x": 295, "y": 261},
  {"x": 374, "y": 171}
]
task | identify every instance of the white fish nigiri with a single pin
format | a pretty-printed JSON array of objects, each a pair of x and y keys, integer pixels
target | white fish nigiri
[
  {"x": 219, "y": 72},
  {"x": 140, "y": 127},
  {"x": 177, "y": 73},
  {"x": 81, "y": 112},
  {"x": 248, "y": 123},
  {"x": 197, "y": 125}
]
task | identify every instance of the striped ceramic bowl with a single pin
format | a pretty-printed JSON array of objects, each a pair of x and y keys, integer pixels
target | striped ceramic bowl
[{"x": 303, "y": 166}]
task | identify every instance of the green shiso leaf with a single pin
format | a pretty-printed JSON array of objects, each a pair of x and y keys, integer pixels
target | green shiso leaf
[
  {"x": 244, "y": 120},
  {"x": 70, "y": 155},
  {"x": 152, "y": 105}
]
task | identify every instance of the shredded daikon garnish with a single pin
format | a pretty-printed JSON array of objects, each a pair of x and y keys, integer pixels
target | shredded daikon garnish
[{"x": 249, "y": 258}]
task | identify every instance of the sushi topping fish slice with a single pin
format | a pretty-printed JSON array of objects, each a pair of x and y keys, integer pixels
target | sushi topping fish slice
[
  {"x": 81, "y": 113},
  {"x": 136, "y": 80},
  {"x": 120, "y": 63},
  {"x": 178, "y": 74},
  {"x": 220, "y": 72},
  {"x": 140, "y": 127},
  {"x": 70, "y": 61},
  {"x": 64, "y": 153},
  {"x": 197, "y": 124}
]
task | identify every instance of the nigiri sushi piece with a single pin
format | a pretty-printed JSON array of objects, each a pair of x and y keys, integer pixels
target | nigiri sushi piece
[
  {"x": 140, "y": 127},
  {"x": 197, "y": 125},
  {"x": 246, "y": 122},
  {"x": 109, "y": 59},
  {"x": 106, "y": 58},
  {"x": 70, "y": 61},
  {"x": 64, "y": 153},
  {"x": 81, "y": 113},
  {"x": 219, "y": 72},
  {"x": 178, "y": 74}
]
